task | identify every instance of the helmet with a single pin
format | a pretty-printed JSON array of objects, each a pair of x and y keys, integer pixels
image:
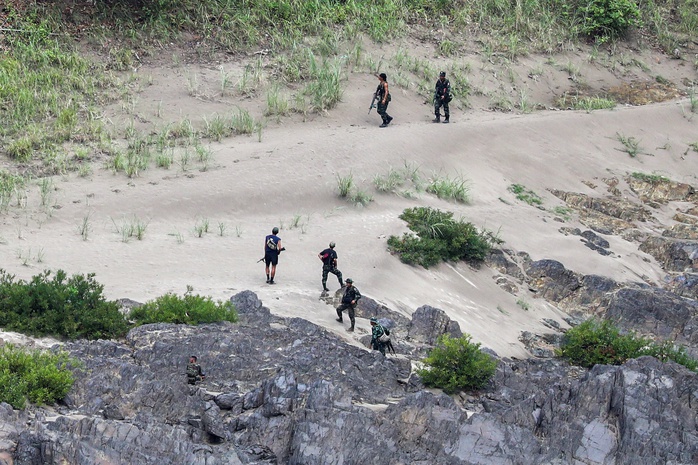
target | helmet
[
  {"x": 275, "y": 230},
  {"x": 349, "y": 280},
  {"x": 374, "y": 320},
  {"x": 332, "y": 244}
]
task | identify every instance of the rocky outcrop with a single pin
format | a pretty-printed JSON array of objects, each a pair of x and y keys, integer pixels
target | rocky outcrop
[
  {"x": 659, "y": 189},
  {"x": 428, "y": 323},
  {"x": 288, "y": 392},
  {"x": 672, "y": 255}
]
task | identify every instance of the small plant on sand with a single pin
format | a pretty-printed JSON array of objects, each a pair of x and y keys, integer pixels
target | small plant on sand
[
  {"x": 191, "y": 309},
  {"x": 437, "y": 237},
  {"x": 525, "y": 195},
  {"x": 631, "y": 146},
  {"x": 389, "y": 182},
  {"x": 85, "y": 227},
  {"x": 523, "y": 304},
  {"x": 563, "y": 212},
  {"x": 222, "y": 228},
  {"x": 201, "y": 227},
  {"x": 450, "y": 189},
  {"x": 457, "y": 364},
  {"x": 360, "y": 198},
  {"x": 345, "y": 184}
]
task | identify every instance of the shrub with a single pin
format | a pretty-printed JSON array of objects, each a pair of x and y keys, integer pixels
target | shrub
[
  {"x": 190, "y": 309},
  {"x": 593, "y": 343},
  {"x": 72, "y": 308},
  {"x": 456, "y": 364},
  {"x": 601, "y": 343},
  {"x": 439, "y": 238},
  {"x": 609, "y": 19},
  {"x": 37, "y": 376}
]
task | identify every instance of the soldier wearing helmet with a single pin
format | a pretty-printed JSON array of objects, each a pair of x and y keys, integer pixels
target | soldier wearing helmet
[{"x": 329, "y": 265}]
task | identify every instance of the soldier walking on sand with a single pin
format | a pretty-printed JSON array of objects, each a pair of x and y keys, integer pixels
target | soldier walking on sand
[
  {"x": 272, "y": 249},
  {"x": 382, "y": 94},
  {"x": 442, "y": 95},
  {"x": 349, "y": 299},
  {"x": 329, "y": 265}
]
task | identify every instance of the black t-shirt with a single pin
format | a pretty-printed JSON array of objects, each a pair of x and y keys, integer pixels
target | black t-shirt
[
  {"x": 271, "y": 244},
  {"x": 328, "y": 257}
]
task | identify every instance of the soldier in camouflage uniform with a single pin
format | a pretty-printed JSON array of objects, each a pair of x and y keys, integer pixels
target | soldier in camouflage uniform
[
  {"x": 442, "y": 95},
  {"x": 194, "y": 372},
  {"x": 329, "y": 265},
  {"x": 377, "y": 331},
  {"x": 349, "y": 299}
]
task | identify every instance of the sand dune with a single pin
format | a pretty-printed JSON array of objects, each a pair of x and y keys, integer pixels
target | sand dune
[{"x": 291, "y": 175}]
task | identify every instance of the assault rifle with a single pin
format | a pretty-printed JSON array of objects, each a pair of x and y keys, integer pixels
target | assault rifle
[
  {"x": 280, "y": 250},
  {"x": 373, "y": 103}
]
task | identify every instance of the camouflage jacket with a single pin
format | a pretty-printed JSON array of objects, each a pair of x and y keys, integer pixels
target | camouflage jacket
[{"x": 351, "y": 293}]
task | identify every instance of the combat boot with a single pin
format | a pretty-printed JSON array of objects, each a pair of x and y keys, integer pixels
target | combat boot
[
  {"x": 351, "y": 329},
  {"x": 437, "y": 119},
  {"x": 446, "y": 120}
]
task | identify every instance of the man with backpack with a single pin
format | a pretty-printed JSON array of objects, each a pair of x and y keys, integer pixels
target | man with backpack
[
  {"x": 272, "y": 249},
  {"x": 379, "y": 336},
  {"x": 349, "y": 299},
  {"x": 442, "y": 95},
  {"x": 329, "y": 265},
  {"x": 194, "y": 371}
]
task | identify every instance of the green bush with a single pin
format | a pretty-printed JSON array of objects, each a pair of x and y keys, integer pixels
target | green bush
[
  {"x": 609, "y": 19},
  {"x": 439, "y": 238},
  {"x": 190, "y": 309},
  {"x": 37, "y": 376},
  {"x": 457, "y": 364},
  {"x": 72, "y": 308},
  {"x": 601, "y": 343}
]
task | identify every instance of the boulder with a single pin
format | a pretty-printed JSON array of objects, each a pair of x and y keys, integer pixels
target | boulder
[{"x": 428, "y": 323}]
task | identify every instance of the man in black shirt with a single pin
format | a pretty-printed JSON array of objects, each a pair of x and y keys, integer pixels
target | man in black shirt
[{"x": 329, "y": 265}]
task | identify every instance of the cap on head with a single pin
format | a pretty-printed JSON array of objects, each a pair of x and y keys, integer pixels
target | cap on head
[
  {"x": 332, "y": 244},
  {"x": 275, "y": 230},
  {"x": 442, "y": 74},
  {"x": 384, "y": 76},
  {"x": 373, "y": 320},
  {"x": 194, "y": 358},
  {"x": 349, "y": 280}
]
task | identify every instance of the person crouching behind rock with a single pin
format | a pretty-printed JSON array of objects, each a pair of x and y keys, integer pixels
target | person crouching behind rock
[
  {"x": 377, "y": 332},
  {"x": 194, "y": 372},
  {"x": 349, "y": 299}
]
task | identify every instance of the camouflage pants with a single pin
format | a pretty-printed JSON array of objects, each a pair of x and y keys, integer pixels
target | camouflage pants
[
  {"x": 382, "y": 110},
  {"x": 378, "y": 345},
  {"x": 326, "y": 270},
  {"x": 438, "y": 103}
]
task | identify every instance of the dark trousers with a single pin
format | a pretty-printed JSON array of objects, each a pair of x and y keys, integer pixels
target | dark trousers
[
  {"x": 326, "y": 270},
  {"x": 383, "y": 111},
  {"x": 438, "y": 103},
  {"x": 350, "y": 311},
  {"x": 378, "y": 345}
]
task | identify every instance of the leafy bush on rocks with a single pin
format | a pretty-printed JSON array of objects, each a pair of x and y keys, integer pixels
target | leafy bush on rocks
[
  {"x": 601, "y": 343},
  {"x": 36, "y": 376},
  {"x": 191, "y": 309},
  {"x": 72, "y": 308},
  {"x": 439, "y": 238},
  {"x": 457, "y": 364}
]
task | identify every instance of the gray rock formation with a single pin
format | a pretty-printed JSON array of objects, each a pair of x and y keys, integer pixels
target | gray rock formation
[{"x": 284, "y": 391}]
